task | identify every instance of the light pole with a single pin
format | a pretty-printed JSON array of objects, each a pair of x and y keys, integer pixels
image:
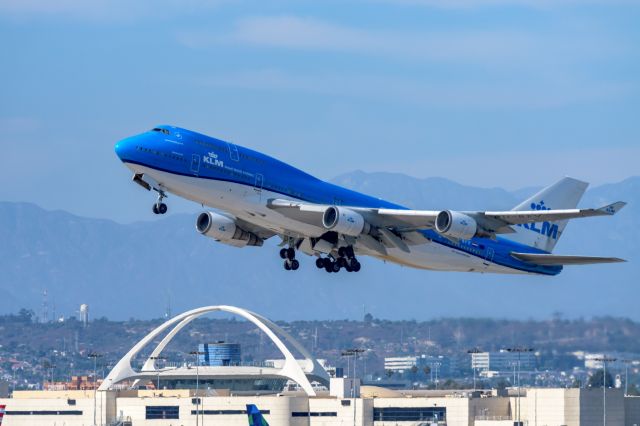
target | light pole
[
  {"x": 352, "y": 353},
  {"x": 156, "y": 358},
  {"x": 604, "y": 361},
  {"x": 95, "y": 357},
  {"x": 436, "y": 365},
  {"x": 626, "y": 375},
  {"x": 195, "y": 354},
  {"x": 519, "y": 350},
  {"x": 473, "y": 364}
]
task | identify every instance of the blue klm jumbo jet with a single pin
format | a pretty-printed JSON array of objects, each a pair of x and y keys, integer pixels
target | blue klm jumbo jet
[{"x": 258, "y": 197}]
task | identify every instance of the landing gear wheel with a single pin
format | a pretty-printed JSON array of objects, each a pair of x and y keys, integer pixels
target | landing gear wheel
[
  {"x": 355, "y": 265},
  {"x": 348, "y": 268},
  {"x": 295, "y": 265},
  {"x": 341, "y": 252},
  {"x": 349, "y": 252},
  {"x": 328, "y": 268},
  {"x": 162, "y": 208},
  {"x": 320, "y": 263},
  {"x": 291, "y": 253},
  {"x": 283, "y": 253},
  {"x": 286, "y": 265},
  {"x": 326, "y": 262},
  {"x": 335, "y": 267},
  {"x": 155, "y": 209}
]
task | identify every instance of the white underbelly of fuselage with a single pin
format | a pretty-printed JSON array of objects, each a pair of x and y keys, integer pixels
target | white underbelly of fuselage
[{"x": 250, "y": 204}]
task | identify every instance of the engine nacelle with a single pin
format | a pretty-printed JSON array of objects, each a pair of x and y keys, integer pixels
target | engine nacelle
[
  {"x": 344, "y": 221},
  {"x": 225, "y": 230},
  {"x": 456, "y": 225}
]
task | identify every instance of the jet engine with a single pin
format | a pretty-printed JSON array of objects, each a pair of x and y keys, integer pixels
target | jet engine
[
  {"x": 344, "y": 221},
  {"x": 225, "y": 230},
  {"x": 456, "y": 225}
]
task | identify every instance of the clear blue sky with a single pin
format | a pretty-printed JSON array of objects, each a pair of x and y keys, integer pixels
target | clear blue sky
[{"x": 509, "y": 93}]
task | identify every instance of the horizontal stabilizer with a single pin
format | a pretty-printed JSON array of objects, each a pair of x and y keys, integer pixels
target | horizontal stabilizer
[{"x": 553, "y": 259}]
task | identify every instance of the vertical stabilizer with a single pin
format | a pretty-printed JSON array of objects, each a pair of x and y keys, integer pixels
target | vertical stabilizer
[
  {"x": 564, "y": 194},
  {"x": 255, "y": 416}
]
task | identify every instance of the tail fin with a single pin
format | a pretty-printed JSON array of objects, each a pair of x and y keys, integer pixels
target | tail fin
[
  {"x": 564, "y": 194},
  {"x": 255, "y": 416}
]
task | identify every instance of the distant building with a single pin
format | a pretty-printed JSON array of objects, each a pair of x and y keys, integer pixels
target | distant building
[
  {"x": 219, "y": 354},
  {"x": 403, "y": 364},
  {"x": 503, "y": 361},
  {"x": 400, "y": 364},
  {"x": 84, "y": 314}
]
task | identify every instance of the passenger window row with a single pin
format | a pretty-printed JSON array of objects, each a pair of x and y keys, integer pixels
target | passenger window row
[{"x": 161, "y": 153}]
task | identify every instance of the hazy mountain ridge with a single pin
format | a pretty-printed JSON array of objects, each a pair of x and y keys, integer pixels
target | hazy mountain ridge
[{"x": 131, "y": 270}]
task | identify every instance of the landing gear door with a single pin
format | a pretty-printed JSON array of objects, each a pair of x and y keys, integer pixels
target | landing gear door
[
  {"x": 195, "y": 164},
  {"x": 488, "y": 257},
  {"x": 257, "y": 188}
]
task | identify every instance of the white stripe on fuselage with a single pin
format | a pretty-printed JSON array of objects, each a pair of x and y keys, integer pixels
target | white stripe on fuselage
[{"x": 249, "y": 203}]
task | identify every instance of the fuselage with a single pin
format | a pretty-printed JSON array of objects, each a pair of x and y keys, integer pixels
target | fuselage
[{"x": 241, "y": 181}]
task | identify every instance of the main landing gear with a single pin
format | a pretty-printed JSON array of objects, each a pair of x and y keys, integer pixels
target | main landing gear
[
  {"x": 289, "y": 256},
  {"x": 159, "y": 207},
  {"x": 346, "y": 259}
]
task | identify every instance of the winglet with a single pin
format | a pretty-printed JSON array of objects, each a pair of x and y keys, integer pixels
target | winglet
[{"x": 612, "y": 209}]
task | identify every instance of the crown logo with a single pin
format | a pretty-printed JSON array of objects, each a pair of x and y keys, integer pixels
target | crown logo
[{"x": 539, "y": 206}]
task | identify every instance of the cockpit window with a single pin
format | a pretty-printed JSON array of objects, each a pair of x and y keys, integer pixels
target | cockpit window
[{"x": 158, "y": 129}]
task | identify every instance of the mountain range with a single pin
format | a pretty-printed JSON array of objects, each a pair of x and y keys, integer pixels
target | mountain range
[{"x": 138, "y": 269}]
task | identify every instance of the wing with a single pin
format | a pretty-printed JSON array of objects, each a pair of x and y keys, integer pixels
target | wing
[
  {"x": 519, "y": 217},
  {"x": 401, "y": 221},
  {"x": 553, "y": 259}
]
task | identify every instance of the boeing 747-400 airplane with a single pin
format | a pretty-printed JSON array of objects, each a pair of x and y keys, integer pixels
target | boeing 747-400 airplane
[{"x": 257, "y": 197}]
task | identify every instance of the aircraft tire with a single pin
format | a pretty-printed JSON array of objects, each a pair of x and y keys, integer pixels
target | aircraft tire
[
  {"x": 291, "y": 253},
  {"x": 283, "y": 253},
  {"x": 319, "y": 263},
  {"x": 287, "y": 266},
  {"x": 155, "y": 209},
  {"x": 355, "y": 266},
  {"x": 295, "y": 265},
  {"x": 162, "y": 208}
]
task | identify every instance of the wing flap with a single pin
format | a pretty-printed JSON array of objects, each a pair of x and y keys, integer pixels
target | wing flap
[{"x": 553, "y": 259}]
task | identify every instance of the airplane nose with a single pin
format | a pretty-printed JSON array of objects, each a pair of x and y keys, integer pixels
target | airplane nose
[{"x": 123, "y": 148}]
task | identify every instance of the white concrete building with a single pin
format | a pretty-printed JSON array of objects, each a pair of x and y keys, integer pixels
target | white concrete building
[{"x": 229, "y": 390}]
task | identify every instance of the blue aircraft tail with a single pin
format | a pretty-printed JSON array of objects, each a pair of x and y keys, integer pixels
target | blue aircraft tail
[{"x": 255, "y": 416}]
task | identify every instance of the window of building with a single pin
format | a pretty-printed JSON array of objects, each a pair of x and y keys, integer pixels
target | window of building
[
  {"x": 409, "y": 414},
  {"x": 314, "y": 414},
  {"x": 154, "y": 412},
  {"x": 44, "y": 413}
]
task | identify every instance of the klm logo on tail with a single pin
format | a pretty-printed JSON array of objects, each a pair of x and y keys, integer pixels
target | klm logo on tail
[
  {"x": 255, "y": 416},
  {"x": 548, "y": 229}
]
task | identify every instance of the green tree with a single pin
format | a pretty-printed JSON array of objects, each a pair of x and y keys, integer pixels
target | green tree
[{"x": 596, "y": 380}]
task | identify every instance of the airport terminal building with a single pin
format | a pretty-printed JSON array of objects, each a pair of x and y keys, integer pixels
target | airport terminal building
[{"x": 292, "y": 391}]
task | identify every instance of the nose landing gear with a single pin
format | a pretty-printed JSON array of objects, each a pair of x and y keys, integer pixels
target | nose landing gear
[{"x": 159, "y": 207}]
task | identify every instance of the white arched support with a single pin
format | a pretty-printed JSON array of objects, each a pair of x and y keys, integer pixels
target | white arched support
[{"x": 291, "y": 368}]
